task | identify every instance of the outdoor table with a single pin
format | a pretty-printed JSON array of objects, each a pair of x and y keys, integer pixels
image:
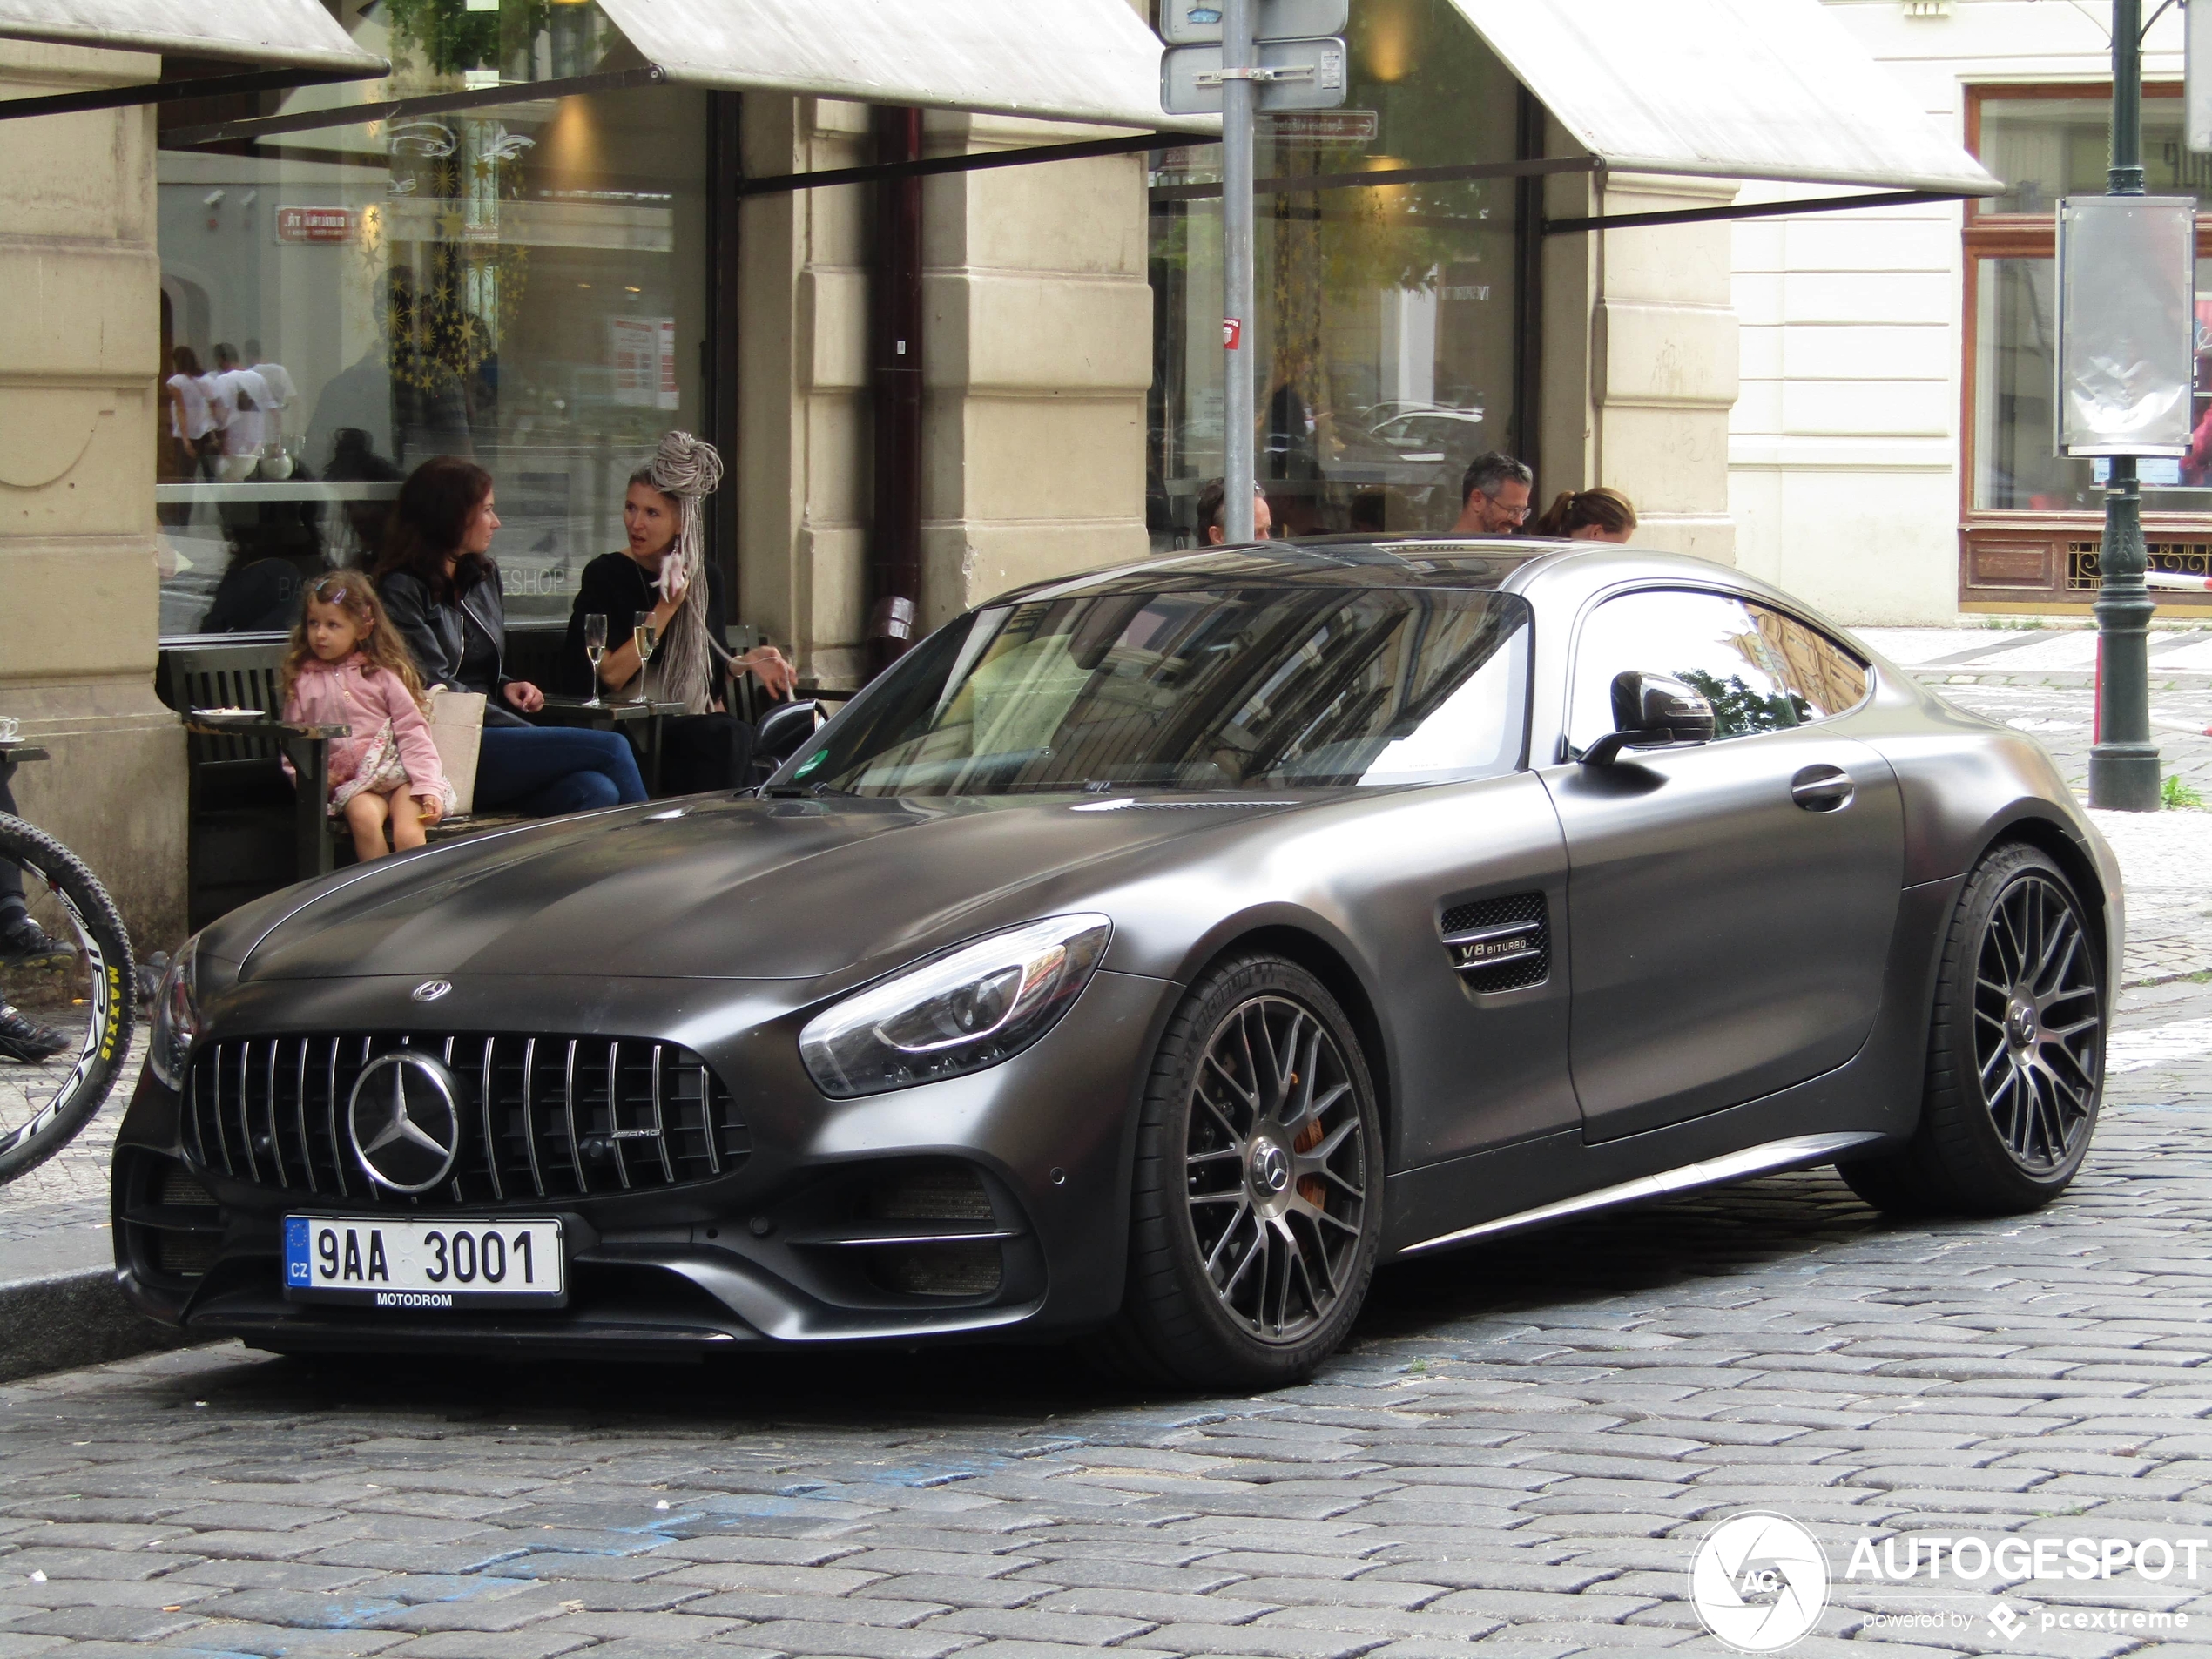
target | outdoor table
[
  {"x": 307, "y": 745},
  {"x": 13, "y": 754},
  {"x": 611, "y": 715}
]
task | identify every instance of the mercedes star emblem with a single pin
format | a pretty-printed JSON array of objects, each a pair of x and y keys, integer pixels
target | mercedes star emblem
[
  {"x": 403, "y": 1122},
  {"x": 431, "y": 989}
]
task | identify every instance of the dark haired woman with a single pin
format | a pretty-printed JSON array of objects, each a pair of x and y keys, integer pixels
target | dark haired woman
[
  {"x": 1599, "y": 515},
  {"x": 662, "y": 571},
  {"x": 441, "y": 590}
]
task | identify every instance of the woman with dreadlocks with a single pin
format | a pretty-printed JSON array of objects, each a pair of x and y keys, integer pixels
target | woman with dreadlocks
[{"x": 662, "y": 571}]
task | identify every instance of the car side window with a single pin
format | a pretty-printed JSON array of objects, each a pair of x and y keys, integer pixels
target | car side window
[
  {"x": 1823, "y": 676},
  {"x": 1761, "y": 671}
]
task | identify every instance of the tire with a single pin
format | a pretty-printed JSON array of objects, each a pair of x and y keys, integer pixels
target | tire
[
  {"x": 102, "y": 972},
  {"x": 2016, "y": 1047},
  {"x": 1255, "y": 1212}
]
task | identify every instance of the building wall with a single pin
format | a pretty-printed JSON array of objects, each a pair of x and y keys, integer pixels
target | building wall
[
  {"x": 1036, "y": 356},
  {"x": 78, "y": 606},
  {"x": 1844, "y": 446},
  {"x": 1639, "y": 359}
]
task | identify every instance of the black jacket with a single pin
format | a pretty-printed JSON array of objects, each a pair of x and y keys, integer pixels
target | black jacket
[
  {"x": 616, "y": 586},
  {"x": 437, "y": 634}
]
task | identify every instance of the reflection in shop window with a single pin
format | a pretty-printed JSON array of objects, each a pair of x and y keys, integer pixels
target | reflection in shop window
[
  {"x": 1384, "y": 346},
  {"x": 2016, "y": 466},
  {"x": 521, "y": 283}
]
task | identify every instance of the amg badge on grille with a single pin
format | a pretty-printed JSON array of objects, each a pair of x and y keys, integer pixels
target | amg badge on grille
[{"x": 403, "y": 1121}]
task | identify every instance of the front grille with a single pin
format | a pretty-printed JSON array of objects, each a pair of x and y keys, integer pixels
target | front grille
[
  {"x": 541, "y": 1117},
  {"x": 1499, "y": 944}
]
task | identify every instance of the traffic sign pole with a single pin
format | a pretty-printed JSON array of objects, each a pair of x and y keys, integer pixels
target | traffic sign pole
[{"x": 1238, "y": 91}]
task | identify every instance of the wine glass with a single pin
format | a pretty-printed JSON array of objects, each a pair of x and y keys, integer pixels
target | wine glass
[
  {"x": 594, "y": 647},
  {"x": 646, "y": 637}
]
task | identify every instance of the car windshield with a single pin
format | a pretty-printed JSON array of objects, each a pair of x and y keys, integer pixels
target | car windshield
[{"x": 1230, "y": 689}]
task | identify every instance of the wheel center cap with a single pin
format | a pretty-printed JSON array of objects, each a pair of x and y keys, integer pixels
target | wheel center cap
[
  {"x": 1270, "y": 1168},
  {"x": 2020, "y": 1024}
]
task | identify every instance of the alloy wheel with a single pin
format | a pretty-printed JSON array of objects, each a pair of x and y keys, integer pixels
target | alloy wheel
[
  {"x": 1276, "y": 1168},
  {"x": 2039, "y": 1023}
]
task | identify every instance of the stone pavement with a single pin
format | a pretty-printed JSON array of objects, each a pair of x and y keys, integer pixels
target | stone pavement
[{"x": 1515, "y": 1456}]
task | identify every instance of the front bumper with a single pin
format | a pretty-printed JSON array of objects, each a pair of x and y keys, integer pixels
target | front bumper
[{"x": 992, "y": 1203}]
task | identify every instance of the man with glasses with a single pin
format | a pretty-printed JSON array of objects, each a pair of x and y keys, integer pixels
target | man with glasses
[{"x": 1494, "y": 493}]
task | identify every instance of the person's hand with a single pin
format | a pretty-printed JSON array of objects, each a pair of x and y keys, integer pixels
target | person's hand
[
  {"x": 525, "y": 696},
  {"x": 433, "y": 808},
  {"x": 673, "y": 601},
  {"x": 774, "y": 671}
]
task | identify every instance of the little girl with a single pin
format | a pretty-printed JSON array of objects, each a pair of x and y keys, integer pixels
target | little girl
[{"x": 348, "y": 667}]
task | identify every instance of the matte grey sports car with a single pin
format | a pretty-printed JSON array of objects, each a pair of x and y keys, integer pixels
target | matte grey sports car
[{"x": 1145, "y": 958}]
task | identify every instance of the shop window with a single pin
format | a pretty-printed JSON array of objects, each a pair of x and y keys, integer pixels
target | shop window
[
  {"x": 1385, "y": 348},
  {"x": 2044, "y": 147},
  {"x": 523, "y": 283}
]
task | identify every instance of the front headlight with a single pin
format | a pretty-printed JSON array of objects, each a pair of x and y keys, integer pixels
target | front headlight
[
  {"x": 176, "y": 1016},
  {"x": 969, "y": 1009}
]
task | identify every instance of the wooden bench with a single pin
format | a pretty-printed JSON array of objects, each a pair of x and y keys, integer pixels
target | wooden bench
[{"x": 249, "y": 831}]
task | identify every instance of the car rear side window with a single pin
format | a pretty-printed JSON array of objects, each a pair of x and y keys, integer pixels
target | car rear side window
[{"x": 1762, "y": 669}]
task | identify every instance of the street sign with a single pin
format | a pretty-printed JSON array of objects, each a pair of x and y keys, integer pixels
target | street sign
[
  {"x": 1197, "y": 23},
  {"x": 1291, "y": 74},
  {"x": 1326, "y": 127}
]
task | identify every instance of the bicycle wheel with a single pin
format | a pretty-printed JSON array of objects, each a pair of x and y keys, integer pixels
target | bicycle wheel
[{"x": 66, "y": 1016}]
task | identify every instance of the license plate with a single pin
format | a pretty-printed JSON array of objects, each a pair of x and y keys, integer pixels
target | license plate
[{"x": 423, "y": 1265}]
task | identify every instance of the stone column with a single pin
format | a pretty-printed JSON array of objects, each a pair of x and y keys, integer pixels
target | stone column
[
  {"x": 1641, "y": 360},
  {"x": 79, "y": 414}
]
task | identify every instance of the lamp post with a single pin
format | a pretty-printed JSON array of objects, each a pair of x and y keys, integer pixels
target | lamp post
[
  {"x": 2123, "y": 762},
  {"x": 1238, "y": 95}
]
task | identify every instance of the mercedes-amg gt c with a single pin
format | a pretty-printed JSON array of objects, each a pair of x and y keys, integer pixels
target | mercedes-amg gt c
[{"x": 1145, "y": 958}]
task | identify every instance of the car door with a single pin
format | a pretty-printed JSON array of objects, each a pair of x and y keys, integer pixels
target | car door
[{"x": 1729, "y": 905}]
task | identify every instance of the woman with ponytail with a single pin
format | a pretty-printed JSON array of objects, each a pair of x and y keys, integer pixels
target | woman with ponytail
[
  {"x": 1599, "y": 515},
  {"x": 663, "y": 571}
]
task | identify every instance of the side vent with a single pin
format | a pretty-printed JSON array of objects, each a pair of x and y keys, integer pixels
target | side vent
[{"x": 1499, "y": 944}]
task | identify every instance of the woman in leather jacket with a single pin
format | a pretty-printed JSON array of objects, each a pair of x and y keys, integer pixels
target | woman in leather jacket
[{"x": 441, "y": 588}]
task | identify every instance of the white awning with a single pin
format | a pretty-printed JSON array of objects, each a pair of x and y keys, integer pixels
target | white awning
[
  {"x": 276, "y": 34},
  {"x": 1730, "y": 88},
  {"x": 1064, "y": 60}
]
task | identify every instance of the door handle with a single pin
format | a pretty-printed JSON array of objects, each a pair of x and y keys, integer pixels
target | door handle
[{"x": 1823, "y": 789}]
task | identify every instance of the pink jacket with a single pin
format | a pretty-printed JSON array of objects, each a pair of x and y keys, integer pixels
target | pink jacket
[{"x": 352, "y": 693}]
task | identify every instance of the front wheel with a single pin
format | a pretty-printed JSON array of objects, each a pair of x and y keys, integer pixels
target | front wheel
[
  {"x": 1257, "y": 1208},
  {"x": 2016, "y": 1050},
  {"x": 66, "y": 1006}
]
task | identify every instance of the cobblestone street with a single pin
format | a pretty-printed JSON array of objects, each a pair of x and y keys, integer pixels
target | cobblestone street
[{"x": 1516, "y": 1455}]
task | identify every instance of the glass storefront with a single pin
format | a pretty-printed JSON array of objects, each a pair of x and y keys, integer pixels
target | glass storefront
[
  {"x": 1384, "y": 348},
  {"x": 524, "y": 283}
]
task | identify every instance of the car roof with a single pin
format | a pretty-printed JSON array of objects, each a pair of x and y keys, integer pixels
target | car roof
[{"x": 1358, "y": 561}]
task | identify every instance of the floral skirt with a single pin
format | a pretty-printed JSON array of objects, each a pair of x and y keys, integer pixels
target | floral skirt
[{"x": 380, "y": 773}]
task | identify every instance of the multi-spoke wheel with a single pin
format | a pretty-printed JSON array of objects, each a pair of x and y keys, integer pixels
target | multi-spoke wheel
[
  {"x": 1257, "y": 1207},
  {"x": 2015, "y": 1050}
]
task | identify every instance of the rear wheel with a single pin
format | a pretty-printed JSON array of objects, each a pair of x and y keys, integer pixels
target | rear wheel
[
  {"x": 2015, "y": 1051},
  {"x": 1257, "y": 1208}
]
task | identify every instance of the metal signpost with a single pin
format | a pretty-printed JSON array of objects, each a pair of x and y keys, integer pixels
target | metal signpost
[
  {"x": 2125, "y": 374},
  {"x": 1237, "y": 57}
]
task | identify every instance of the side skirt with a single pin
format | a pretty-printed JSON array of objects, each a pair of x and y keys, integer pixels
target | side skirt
[{"x": 1796, "y": 1151}]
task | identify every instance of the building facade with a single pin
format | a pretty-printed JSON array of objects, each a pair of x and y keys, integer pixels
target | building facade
[
  {"x": 1891, "y": 449},
  {"x": 533, "y": 245}
]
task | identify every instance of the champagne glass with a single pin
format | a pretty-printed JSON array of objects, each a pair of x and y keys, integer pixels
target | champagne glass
[
  {"x": 594, "y": 647},
  {"x": 646, "y": 637}
]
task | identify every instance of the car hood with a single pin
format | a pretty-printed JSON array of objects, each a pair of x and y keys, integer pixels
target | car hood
[{"x": 726, "y": 888}]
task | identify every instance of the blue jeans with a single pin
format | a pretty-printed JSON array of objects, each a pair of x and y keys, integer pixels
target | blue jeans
[{"x": 543, "y": 771}]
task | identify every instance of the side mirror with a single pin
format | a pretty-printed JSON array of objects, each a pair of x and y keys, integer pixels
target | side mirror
[{"x": 1650, "y": 710}]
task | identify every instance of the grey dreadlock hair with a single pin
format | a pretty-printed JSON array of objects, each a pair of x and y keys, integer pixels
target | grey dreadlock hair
[{"x": 687, "y": 470}]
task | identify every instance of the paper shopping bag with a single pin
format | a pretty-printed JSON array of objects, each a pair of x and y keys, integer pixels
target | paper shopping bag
[{"x": 457, "y": 727}]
